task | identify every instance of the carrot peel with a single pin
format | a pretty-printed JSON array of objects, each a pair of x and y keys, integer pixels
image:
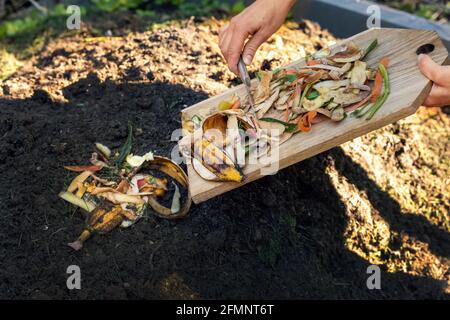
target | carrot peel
[
  {"x": 313, "y": 62},
  {"x": 376, "y": 92},
  {"x": 83, "y": 168},
  {"x": 304, "y": 124},
  {"x": 236, "y": 105}
]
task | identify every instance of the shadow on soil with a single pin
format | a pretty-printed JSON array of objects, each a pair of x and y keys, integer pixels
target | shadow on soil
[{"x": 280, "y": 237}]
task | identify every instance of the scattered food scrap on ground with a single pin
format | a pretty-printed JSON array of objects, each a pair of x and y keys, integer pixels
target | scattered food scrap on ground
[{"x": 117, "y": 188}]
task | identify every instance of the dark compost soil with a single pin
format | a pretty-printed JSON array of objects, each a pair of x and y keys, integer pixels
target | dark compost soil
[{"x": 310, "y": 231}]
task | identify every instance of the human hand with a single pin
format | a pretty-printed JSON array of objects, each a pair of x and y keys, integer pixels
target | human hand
[
  {"x": 258, "y": 22},
  {"x": 440, "y": 75}
]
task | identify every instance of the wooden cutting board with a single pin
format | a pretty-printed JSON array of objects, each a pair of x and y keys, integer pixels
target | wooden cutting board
[{"x": 409, "y": 88}]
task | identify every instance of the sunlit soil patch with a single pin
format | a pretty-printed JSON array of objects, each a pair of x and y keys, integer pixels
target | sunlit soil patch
[
  {"x": 183, "y": 52},
  {"x": 409, "y": 161},
  {"x": 8, "y": 64}
]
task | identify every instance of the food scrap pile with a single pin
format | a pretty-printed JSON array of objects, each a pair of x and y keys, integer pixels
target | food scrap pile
[
  {"x": 116, "y": 189},
  {"x": 333, "y": 83}
]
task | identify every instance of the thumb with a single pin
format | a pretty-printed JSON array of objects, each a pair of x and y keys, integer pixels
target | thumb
[
  {"x": 252, "y": 46},
  {"x": 431, "y": 69}
]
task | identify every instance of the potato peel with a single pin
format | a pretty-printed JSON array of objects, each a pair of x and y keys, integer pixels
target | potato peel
[{"x": 263, "y": 89}]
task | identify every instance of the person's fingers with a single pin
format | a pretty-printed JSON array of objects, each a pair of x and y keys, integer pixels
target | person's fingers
[
  {"x": 225, "y": 39},
  {"x": 252, "y": 46},
  {"x": 433, "y": 71},
  {"x": 224, "y": 28},
  {"x": 222, "y": 33},
  {"x": 439, "y": 97},
  {"x": 224, "y": 42},
  {"x": 233, "y": 49}
]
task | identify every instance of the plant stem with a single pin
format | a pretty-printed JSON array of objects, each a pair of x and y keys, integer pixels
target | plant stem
[{"x": 370, "y": 48}]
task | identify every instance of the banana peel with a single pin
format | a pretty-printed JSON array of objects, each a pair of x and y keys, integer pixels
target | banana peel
[
  {"x": 214, "y": 151},
  {"x": 216, "y": 161},
  {"x": 174, "y": 171},
  {"x": 102, "y": 220}
]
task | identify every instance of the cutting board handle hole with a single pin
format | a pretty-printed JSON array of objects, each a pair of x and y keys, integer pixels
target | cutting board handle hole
[{"x": 425, "y": 49}]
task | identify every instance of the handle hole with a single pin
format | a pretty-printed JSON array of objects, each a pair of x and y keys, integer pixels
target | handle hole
[{"x": 425, "y": 49}]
